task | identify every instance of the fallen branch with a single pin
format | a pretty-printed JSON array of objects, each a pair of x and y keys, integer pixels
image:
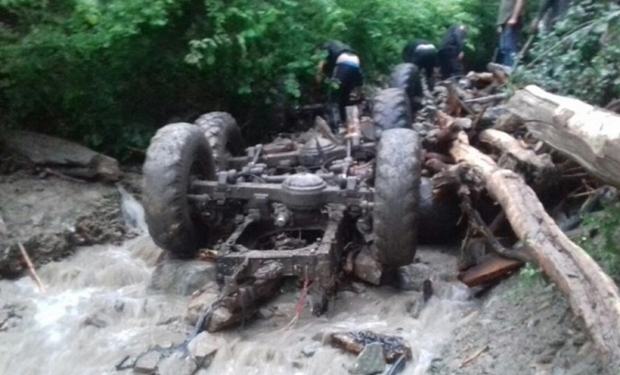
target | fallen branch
[
  {"x": 30, "y": 268},
  {"x": 476, "y": 222},
  {"x": 487, "y": 99},
  {"x": 473, "y": 357},
  {"x": 592, "y": 294},
  {"x": 541, "y": 169}
]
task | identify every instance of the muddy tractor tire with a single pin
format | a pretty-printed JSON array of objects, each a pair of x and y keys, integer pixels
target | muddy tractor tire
[
  {"x": 177, "y": 153},
  {"x": 438, "y": 216},
  {"x": 223, "y": 135},
  {"x": 406, "y": 76},
  {"x": 391, "y": 110},
  {"x": 396, "y": 198}
]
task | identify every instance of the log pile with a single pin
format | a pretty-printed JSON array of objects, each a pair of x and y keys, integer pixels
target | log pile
[{"x": 514, "y": 163}]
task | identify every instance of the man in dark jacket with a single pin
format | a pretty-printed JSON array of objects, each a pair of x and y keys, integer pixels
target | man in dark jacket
[
  {"x": 422, "y": 54},
  {"x": 343, "y": 65},
  {"x": 451, "y": 52}
]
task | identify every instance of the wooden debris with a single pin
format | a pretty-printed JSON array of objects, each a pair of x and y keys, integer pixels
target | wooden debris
[
  {"x": 354, "y": 342},
  {"x": 77, "y": 161},
  {"x": 493, "y": 269},
  {"x": 241, "y": 303},
  {"x": 31, "y": 271},
  {"x": 539, "y": 168},
  {"x": 586, "y": 134},
  {"x": 592, "y": 294},
  {"x": 474, "y": 356},
  {"x": 487, "y": 99}
]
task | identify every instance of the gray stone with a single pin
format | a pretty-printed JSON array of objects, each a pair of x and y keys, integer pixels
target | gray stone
[
  {"x": 147, "y": 363},
  {"x": 412, "y": 276},
  {"x": 358, "y": 287},
  {"x": 265, "y": 313},
  {"x": 367, "y": 268},
  {"x": 182, "y": 277},
  {"x": 177, "y": 364},
  {"x": 310, "y": 350},
  {"x": 204, "y": 345},
  {"x": 370, "y": 361},
  {"x": 199, "y": 304},
  {"x": 318, "y": 336}
]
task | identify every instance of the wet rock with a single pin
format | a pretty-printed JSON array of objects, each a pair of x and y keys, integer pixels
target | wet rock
[
  {"x": 177, "y": 364},
  {"x": 147, "y": 363},
  {"x": 414, "y": 306},
  {"x": 182, "y": 277},
  {"x": 168, "y": 339},
  {"x": 412, "y": 276},
  {"x": 204, "y": 345},
  {"x": 146, "y": 250},
  {"x": 318, "y": 337},
  {"x": 367, "y": 268},
  {"x": 358, "y": 288},
  {"x": 94, "y": 321},
  {"x": 265, "y": 313},
  {"x": 310, "y": 350},
  {"x": 370, "y": 361},
  {"x": 199, "y": 304}
]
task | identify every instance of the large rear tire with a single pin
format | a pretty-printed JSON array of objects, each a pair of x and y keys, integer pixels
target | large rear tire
[
  {"x": 391, "y": 110},
  {"x": 223, "y": 135},
  {"x": 396, "y": 198},
  {"x": 407, "y": 77},
  {"x": 177, "y": 154}
]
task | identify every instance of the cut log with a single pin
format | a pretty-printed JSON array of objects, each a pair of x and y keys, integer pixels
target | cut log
[
  {"x": 493, "y": 269},
  {"x": 241, "y": 303},
  {"x": 586, "y": 134},
  {"x": 538, "y": 168},
  {"x": 592, "y": 294},
  {"x": 79, "y": 161}
]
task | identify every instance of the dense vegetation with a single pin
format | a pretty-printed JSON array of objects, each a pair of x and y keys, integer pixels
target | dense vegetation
[
  {"x": 579, "y": 57},
  {"x": 109, "y": 72}
]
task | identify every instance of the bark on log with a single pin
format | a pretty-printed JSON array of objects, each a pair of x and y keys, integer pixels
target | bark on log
[
  {"x": 516, "y": 157},
  {"x": 592, "y": 294},
  {"x": 586, "y": 134},
  {"x": 80, "y": 161},
  {"x": 242, "y": 303}
]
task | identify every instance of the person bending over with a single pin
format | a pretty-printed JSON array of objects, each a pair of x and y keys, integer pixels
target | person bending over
[
  {"x": 451, "y": 52},
  {"x": 422, "y": 54},
  {"x": 342, "y": 65}
]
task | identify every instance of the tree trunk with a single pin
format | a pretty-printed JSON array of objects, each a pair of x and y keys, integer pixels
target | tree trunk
[
  {"x": 586, "y": 134},
  {"x": 537, "y": 168},
  {"x": 592, "y": 294}
]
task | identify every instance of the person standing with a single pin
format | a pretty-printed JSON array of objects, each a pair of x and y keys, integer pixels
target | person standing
[
  {"x": 422, "y": 54},
  {"x": 342, "y": 65},
  {"x": 550, "y": 12},
  {"x": 509, "y": 24},
  {"x": 451, "y": 52}
]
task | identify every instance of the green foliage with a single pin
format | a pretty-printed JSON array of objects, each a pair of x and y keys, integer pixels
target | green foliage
[
  {"x": 110, "y": 72},
  {"x": 601, "y": 238},
  {"x": 579, "y": 57}
]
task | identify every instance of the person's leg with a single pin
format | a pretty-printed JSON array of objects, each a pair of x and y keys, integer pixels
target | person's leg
[
  {"x": 348, "y": 77},
  {"x": 508, "y": 45}
]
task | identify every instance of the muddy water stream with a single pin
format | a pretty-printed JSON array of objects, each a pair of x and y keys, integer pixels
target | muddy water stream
[{"x": 98, "y": 309}]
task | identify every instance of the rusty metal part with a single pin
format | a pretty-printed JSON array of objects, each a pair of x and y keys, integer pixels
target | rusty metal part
[{"x": 322, "y": 257}]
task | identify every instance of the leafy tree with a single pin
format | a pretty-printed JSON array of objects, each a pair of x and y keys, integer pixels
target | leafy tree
[{"x": 110, "y": 72}]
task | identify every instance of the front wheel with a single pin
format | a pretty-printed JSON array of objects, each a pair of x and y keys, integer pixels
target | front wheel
[
  {"x": 396, "y": 198},
  {"x": 177, "y": 154}
]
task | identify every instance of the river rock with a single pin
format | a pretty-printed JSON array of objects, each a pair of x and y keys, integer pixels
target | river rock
[
  {"x": 204, "y": 345},
  {"x": 182, "y": 277},
  {"x": 412, "y": 276},
  {"x": 147, "y": 363},
  {"x": 177, "y": 364},
  {"x": 367, "y": 268},
  {"x": 370, "y": 361},
  {"x": 199, "y": 303}
]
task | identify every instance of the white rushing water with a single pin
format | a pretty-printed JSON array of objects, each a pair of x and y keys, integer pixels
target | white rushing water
[{"x": 97, "y": 309}]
